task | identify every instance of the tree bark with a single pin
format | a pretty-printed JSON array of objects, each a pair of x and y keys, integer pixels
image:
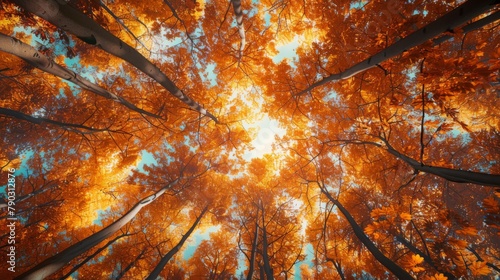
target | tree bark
[
  {"x": 360, "y": 234},
  {"x": 50, "y": 185},
  {"x": 265, "y": 255},
  {"x": 471, "y": 27},
  {"x": 251, "y": 267},
  {"x": 130, "y": 265},
  {"x": 32, "y": 56},
  {"x": 78, "y": 128},
  {"x": 76, "y": 267},
  {"x": 159, "y": 267},
  {"x": 454, "y": 175},
  {"x": 73, "y": 21},
  {"x": 453, "y": 19},
  {"x": 56, "y": 262},
  {"x": 241, "y": 30}
]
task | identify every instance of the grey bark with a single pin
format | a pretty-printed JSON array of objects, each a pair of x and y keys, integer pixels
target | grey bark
[
  {"x": 164, "y": 260},
  {"x": 97, "y": 252},
  {"x": 238, "y": 12}
]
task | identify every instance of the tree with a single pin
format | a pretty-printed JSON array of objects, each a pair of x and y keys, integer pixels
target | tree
[{"x": 344, "y": 139}]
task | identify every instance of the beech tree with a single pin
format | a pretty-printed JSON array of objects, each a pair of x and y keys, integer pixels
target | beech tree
[{"x": 344, "y": 140}]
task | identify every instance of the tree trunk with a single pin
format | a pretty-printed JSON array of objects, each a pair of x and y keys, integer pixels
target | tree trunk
[
  {"x": 50, "y": 185},
  {"x": 130, "y": 265},
  {"x": 454, "y": 175},
  {"x": 358, "y": 231},
  {"x": 241, "y": 30},
  {"x": 251, "y": 267},
  {"x": 337, "y": 266},
  {"x": 471, "y": 27},
  {"x": 453, "y": 19},
  {"x": 159, "y": 267},
  {"x": 32, "y": 56},
  {"x": 265, "y": 257},
  {"x": 76, "y": 267},
  {"x": 73, "y": 21},
  {"x": 78, "y": 128},
  {"x": 56, "y": 262}
]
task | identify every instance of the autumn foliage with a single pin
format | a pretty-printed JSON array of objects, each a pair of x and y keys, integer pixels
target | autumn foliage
[{"x": 243, "y": 139}]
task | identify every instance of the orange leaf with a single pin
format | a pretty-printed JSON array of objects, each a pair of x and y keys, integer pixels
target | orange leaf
[
  {"x": 479, "y": 268},
  {"x": 405, "y": 216}
]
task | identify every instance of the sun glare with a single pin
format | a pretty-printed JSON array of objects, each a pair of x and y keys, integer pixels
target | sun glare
[{"x": 266, "y": 132}]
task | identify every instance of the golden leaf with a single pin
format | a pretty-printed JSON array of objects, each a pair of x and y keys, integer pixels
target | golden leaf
[
  {"x": 479, "y": 268},
  {"x": 405, "y": 216},
  {"x": 417, "y": 259},
  {"x": 370, "y": 229}
]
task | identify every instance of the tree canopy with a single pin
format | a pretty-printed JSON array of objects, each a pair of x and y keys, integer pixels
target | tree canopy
[{"x": 237, "y": 139}]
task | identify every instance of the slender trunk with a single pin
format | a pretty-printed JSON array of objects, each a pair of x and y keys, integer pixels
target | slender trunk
[
  {"x": 78, "y": 128},
  {"x": 19, "y": 199},
  {"x": 338, "y": 267},
  {"x": 73, "y": 21},
  {"x": 251, "y": 267},
  {"x": 130, "y": 265},
  {"x": 56, "y": 262},
  {"x": 358, "y": 231},
  {"x": 453, "y": 19},
  {"x": 454, "y": 175},
  {"x": 159, "y": 267},
  {"x": 471, "y": 27},
  {"x": 32, "y": 56},
  {"x": 76, "y": 267},
  {"x": 426, "y": 257},
  {"x": 265, "y": 256},
  {"x": 241, "y": 30}
]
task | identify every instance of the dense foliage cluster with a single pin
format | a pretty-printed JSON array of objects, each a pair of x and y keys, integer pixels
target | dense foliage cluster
[{"x": 260, "y": 139}]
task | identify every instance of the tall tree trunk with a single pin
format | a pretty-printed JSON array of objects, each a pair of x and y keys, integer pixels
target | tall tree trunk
[
  {"x": 159, "y": 267},
  {"x": 360, "y": 234},
  {"x": 471, "y": 27},
  {"x": 48, "y": 186},
  {"x": 251, "y": 267},
  {"x": 78, "y": 128},
  {"x": 82, "y": 263},
  {"x": 453, "y": 19},
  {"x": 56, "y": 262},
  {"x": 130, "y": 265},
  {"x": 454, "y": 175},
  {"x": 32, "y": 56},
  {"x": 73, "y": 21},
  {"x": 265, "y": 256},
  {"x": 337, "y": 266},
  {"x": 241, "y": 30}
]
